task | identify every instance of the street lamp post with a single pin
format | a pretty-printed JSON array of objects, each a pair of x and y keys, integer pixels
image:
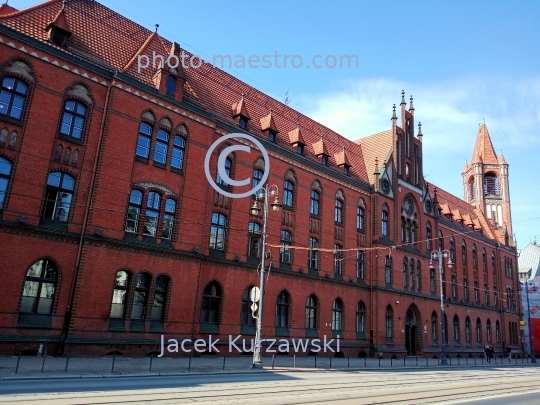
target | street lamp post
[
  {"x": 531, "y": 341},
  {"x": 439, "y": 254},
  {"x": 266, "y": 192}
]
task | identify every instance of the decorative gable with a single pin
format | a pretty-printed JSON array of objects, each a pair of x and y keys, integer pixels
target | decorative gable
[
  {"x": 58, "y": 28},
  {"x": 319, "y": 148}
]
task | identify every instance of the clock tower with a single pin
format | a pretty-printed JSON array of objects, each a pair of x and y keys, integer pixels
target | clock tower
[{"x": 485, "y": 182}]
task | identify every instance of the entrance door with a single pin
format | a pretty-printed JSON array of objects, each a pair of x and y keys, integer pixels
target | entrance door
[{"x": 410, "y": 332}]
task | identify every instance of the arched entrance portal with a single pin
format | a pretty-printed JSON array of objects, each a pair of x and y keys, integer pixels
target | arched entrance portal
[{"x": 413, "y": 330}]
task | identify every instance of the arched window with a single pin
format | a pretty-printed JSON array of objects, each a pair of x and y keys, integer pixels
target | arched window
[
  {"x": 384, "y": 222},
  {"x": 160, "y": 298},
  {"x": 5, "y": 174},
  {"x": 360, "y": 265},
  {"x": 474, "y": 258},
  {"x": 478, "y": 331},
  {"x": 143, "y": 140},
  {"x": 247, "y": 313},
  {"x": 411, "y": 274},
  {"x": 472, "y": 189},
  {"x": 314, "y": 203},
  {"x": 463, "y": 253},
  {"x": 284, "y": 252},
  {"x": 465, "y": 290},
  {"x": 140, "y": 298},
  {"x": 151, "y": 214},
  {"x": 484, "y": 260},
  {"x": 313, "y": 254},
  {"x": 432, "y": 281},
  {"x": 454, "y": 287},
  {"x": 491, "y": 184},
  {"x": 337, "y": 315},
  {"x": 255, "y": 180},
  {"x": 389, "y": 322},
  {"x": 441, "y": 241},
  {"x": 434, "y": 327},
  {"x": 498, "y": 332},
  {"x": 178, "y": 152},
  {"x": 468, "y": 330},
  {"x": 452, "y": 249},
  {"x": 360, "y": 317},
  {"x": 476, "y": 293},
  {"x": 39, "y": 288},
  {"x": 254, "y": 230},
  {"x": 228, "y": 165},
  {"x": 495, "y": 296},
  {"x": 282, "y": 310},
  {"x": 338, "y": 259},
  {"x": 486, "y": 294},
  {"x": 162, "y": 144},
  {"x": 456, "y": 329},
  {"x": 338, "y": 212},
  {"x": 428, "y": 236},
  {"x": 288, "y": 189},
  {"x": 311, "y": 312},
  {"x": 58, "y": 196},
  {"x": 418, "y": 277},
  {"x": 211, "y": 302},
  {"x": 488, "y": 331},
  {"x": 388, "y": 270},
  {"x": 73, "y": 119},
  {"x": 168, "y": 219},
  {"x": 120, "y": 293},
  {"x": 359, "y": 218},
  {"x": 405, "y": 267},
  {"x": 218, "y": 231},
  {"x": 12, "y": 97}
]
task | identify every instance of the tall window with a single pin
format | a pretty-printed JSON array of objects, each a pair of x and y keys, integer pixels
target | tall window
[
  {"x": 418, "y": 277},
  {"x": 211, "y": 302},
  {"x": 486, "y": 294},
  {"x": 474, "y": 258},
  {"x": 476, "y": 293},
  {"x": 39, "y": 288},
  {"x": 454, "y": 287},
  {"x": 432, "y": 281},
  {"x": 434, "y": 326},
  {"x": 456, "y": 329},
  {"x": 313, "y": 255},
  {"x": 178, "y": 151},
  {"x": 360, "y": 265},
  {"x": 452, "y": 249},
  {"x": 143, "y": 140},
  {"x": 142, "y": 287},
  {"x": 405, "y": 268},
  {"x": 228, "y": 165},
  {"x": 160, "y": 297},
  {"x": 495, "y": 296},
  {"x": 255, "y": 180},
  {"x": 5, "y": 173},
  {"x": 337, "y": 315},
  {"x": 384, "y": 223},
  {"x": 73, "y": 119},
  {"x": 478, "y": 331},
  {"x": 338, "y": 259},
  {"x": 285, "y": 252},
  {"x": 493, "y": 263},
  {"x": 121, "y": 285},
  {"x": 484, "y": 260},
  {"x": 464, "y": 253},
  {"x": 388, "y": 270},
  {"x": 254, "y": 230},
  {"x": 411, "y": 275},
  {"x": 168, "y": 219},
  {"x": 160, "y": 151},
  {"x": 282, "y": 310},
  {"x": 389, "y": 322},
  {"x": 441, "y": 240},
  {"x": 360, "y": 317},
  {"x": 217, "y": 231},
  {"x": 247, "y": 313},
  {"x": 488, "y": 331},
  {"x": 171, "y": 85},
  {"x": 465, "y": 290},
  {"x": 498, "y": 332},
  {"x": 314, "y": 204},
  {"x": 12, "y": 97},
  {"x": 311, "y": 312},
  {"x": 338, "y": 212},
  {"x": 58, "y": 196},
  {"x": 151, "y": 214},
  {"x": 428, "y": 236},
  {"x": 288, "y": 189},
  {"x": 467, "y": 330},
  {"x": 134, "y": 210},
  {"x": 359, "y": 218}
]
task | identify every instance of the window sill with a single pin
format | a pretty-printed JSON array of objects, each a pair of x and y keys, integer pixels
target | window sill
[
  {"x": 156, "y": 326},
  {"x": 248, "y": 330},
  {"x": 53, "y": 224},
  {"x": 288, "y": 207},
  {"x": 177, "y": 170},
  {"x": 117, "y": 325},
  {"x": 338, "y": 276},
  {"x": 311, "y": 333},
  {"x": 314, "y": 216},
  {"x": 216, "y": 253},
  {"x": 209, "y": 328},
  {"x": 137, "y": 325},
  {"x": 280, "y": 331},
  {"x": 314, "y": 272},
  {"x": 159, "y": 165},
  {"x": 34, "y": 321},
  {"x": 141, "y": 159},
  {"x": 10, "y": 120},
  {"x": 361, "y": 336},
  {"x": 337, "y": 334},
  {"x": 71, "y": 139}
]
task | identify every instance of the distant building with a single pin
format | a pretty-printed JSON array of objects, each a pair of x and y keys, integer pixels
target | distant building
[{"x": 529, "y": 262}]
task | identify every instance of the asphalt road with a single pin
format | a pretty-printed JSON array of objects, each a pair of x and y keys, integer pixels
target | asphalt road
[{"x": 479, "y": 386}]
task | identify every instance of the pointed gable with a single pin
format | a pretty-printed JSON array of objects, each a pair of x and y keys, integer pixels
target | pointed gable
[
  {"x": 484, "y": 147},
  {"x": 375, "y": 146},
  {"x": 60, "y": 21},
  {"x": 268, "y": 123},
  {"x": 295, "y": 136},
  {"x": 341, "y": 158},
  {"x": 319, "y": 148},
  {"x": 240, "y": 108},
  {"x": 6, "y": 9},
  {"x": 149, "y": 46}
]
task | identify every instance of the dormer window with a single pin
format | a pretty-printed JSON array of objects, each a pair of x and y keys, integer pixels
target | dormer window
[
  {"x": 300, "y": 149},
  {"x": 272, "y": 135},
  {"x": 58, "y": 36},
  {"x": 324, "y": 160},
  {"x": 346, "y": 170},
  {"x": 242, "y": 123},
  {"x": 171, "y": 85}
]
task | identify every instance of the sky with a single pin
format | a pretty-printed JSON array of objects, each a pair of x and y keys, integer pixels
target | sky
[{"x": 463, "y": 61}]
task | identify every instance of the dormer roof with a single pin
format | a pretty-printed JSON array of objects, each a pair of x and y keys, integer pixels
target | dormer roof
[
  {"x": 268, "y": 123},
  {"x": 295, "y": 136},
  {"x": 240, "y": 108},
  {"x": 60, "y": 21},
  {"x": 341, "y": 158},
  {"x": 319, "y": 148}
]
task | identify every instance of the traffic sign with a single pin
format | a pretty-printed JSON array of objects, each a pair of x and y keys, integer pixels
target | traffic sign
[{"x": 255, "y": 294}]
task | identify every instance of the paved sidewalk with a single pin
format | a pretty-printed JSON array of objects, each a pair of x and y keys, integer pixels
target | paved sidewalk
[{"x": 13, "y": 367}]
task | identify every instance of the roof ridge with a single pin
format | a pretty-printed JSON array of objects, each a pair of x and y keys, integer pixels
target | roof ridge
[{"x": 29, "y": 9}]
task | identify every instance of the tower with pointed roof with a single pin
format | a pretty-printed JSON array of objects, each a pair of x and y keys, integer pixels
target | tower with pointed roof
[{"x": 485, "y": 182}]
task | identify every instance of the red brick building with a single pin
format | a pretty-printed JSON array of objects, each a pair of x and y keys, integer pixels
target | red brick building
[{"x": 110, "y": 234}]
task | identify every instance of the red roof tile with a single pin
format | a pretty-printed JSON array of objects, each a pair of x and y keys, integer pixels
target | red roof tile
[
  {"x": 484, "y": 147},
  {"x": 319, "y": 148},
  {"x": 295, "y": 136},
  {"x": 375, "y": 146},
  {"x": 341, "y": 158}
]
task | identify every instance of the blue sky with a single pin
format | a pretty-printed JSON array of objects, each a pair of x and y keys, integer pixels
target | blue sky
[{"x": 463, "y": 61}]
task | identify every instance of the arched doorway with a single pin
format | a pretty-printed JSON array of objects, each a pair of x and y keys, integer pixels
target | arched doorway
[{"x": 413, "y": 330}]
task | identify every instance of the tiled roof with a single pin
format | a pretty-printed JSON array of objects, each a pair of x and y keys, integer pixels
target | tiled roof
[
  {"x": 375, "y": 146},
  {"x": 484, "y": 147},
  {"x": 6, "y": 9},
  {"x": 60, "y": 21},
  {"x": 529, "y": 259}
]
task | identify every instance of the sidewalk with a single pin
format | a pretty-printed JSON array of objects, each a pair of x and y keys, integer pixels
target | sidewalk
[{"x": 118, "y": 366}]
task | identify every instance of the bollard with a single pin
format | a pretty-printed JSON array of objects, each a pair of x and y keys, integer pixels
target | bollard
[
  {"x": 515, "y": 359},
  {"x": 272, "y": 362},
  {"x": 417, "y": 360},
  {"x": 482, "y": 361},
  {"x": 189, "y": 364},
  {"x": 475, "y": 361},
  {"x": 67, "y": 362},
  {"x": 466, "y": 361},
  {"x": 151, "y": 359},
  {"x": 294, "y": 361},
  {"x": 315, "y": 361},
  {"x": 427, "y": 361},
  {"x": 458, "y": 361},
  {"x": 43, "y": 364},
  {"x": 391, "y": 361},
  {"x": 438, "y": 361},
  {"x": 404, "y": 361},
  {"x": 330, "y": 362},
  {"x": 18, "y": 361},
  {"x": 348, "y": 364},
  {"x": 379, "y": 361},
  {"x": 450, "y": 360},
  {"x": 113, "y": 360},
  {"x": 527, "y": 359},
  {"x": 495, "y": 358},
  {"x": 223, "y": 362},
  {"x": 365, "y": 361}
]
